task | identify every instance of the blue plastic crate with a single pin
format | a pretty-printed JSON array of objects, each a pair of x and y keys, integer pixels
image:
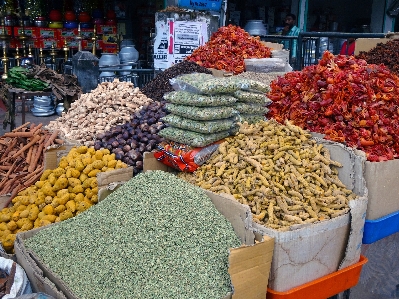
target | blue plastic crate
[
  {"x": 215, "y": 5},
  {"x": 380, "y": 228}
]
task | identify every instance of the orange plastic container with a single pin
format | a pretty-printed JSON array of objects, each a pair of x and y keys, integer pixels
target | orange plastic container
[{"x": 324, "y": 287}]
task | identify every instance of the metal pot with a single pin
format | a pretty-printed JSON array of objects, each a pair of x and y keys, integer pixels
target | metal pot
[
  {"x": 108, "y": 59},
  {"x": 59, "y": 109},
  {"x": 128, "y": 54},
  {"x": 256, "y": 27}
]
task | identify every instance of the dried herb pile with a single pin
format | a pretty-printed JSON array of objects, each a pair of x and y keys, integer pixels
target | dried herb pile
[
  {"x": 346, "y": 99},
  {"x": 385, "y": 53},
  {"x": 156, "y": 88},
  {"x": 227, "y": 48},
  {"x": 62, "y": 85},
  {"x": 170, "y": 242}
]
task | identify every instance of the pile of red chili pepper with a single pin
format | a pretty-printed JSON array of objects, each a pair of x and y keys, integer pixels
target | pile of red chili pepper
[
  {"x": 346, "y": 99},
  {"x": 227, "y": 48}
]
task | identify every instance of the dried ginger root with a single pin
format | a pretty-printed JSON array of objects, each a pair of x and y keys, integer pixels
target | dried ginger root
[{"x": 283, "y": 175}]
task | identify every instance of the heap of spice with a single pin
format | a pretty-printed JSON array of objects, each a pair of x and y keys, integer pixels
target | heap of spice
[
  {"x": 280, "y": 172},
  {"x": 227, "y": 49},
  {"x": 346, "y": 99},
  {"x": 168, "y": 243},
  {"x": 22, "y": 156},
  {"x": 385, "y": 53},
  {"x": 156, "y": 88}
]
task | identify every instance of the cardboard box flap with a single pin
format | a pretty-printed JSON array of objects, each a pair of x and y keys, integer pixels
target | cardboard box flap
[
  {"x": 274, "y": 46},
  {"x": 105, "y": 191},
  {"x": 382, "y": 179},
  {"x": 249, "y": 269},
  {"x": 306, "y": 232},
  {"x": 52, "y": 155},
  {"x": 251, "y": 257},
  {"x": 366, "y": 44},
  {"x": 353, "y": 176},
  {"x": 151, "y": 163},
  {"x": 358, "y": 212},
  {"x": 239, "y": 216},
  {"x": 117, "y": 175}
]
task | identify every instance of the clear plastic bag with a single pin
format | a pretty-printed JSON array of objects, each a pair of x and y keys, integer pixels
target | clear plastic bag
[
  {"x": 35, "y": 296},
  {"x": 206, "y": 84},
  {"x": 251, "y": 108},
  {"x": 265, "y": 65},
  {"x": 193, "y": 138},
  {"x": 202, "y": 113},
  {"x": 198, "y": 100},
  {"x": 183, "y": 157},
  {"x": 252, "y": 97},
  {"x": 211, "y": 126}
]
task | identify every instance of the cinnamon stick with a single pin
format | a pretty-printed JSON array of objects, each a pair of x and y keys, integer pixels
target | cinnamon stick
[
  {"x": 29, "y": 155},
  {"x": 33, "y": 179},
  {"x": 9, "y": 149},
  {"x": 33, "y": 141},
  {"x": 37, "y": 128},
  {"x": 52, "y": 138},
  {"x": 21, "y": 127},
  {"x": 18, "y": 134}
]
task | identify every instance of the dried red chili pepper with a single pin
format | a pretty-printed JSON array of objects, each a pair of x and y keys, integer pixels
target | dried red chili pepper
[
  {"x": 227, "y": 48},
  {"x": 346, "y": 99}
]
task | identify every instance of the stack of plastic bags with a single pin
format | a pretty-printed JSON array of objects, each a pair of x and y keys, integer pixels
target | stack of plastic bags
[{"x": 204, "y": 109}]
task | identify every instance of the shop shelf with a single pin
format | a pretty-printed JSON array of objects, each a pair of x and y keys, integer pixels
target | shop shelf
[
  {"x": 380, "y": 228},
  {"x": 324, "y": 287}
]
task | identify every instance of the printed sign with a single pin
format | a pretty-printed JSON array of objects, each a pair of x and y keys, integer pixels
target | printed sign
[
  {"x": 201, "y": 5},
  {"x": 187, "y": 39},
  {"x": 161, "y": 46},
  {"x": 184, "y": 38}
]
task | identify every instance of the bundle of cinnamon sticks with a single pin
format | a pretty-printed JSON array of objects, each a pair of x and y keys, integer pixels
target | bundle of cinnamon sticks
[{"x": 22, "y": 156}]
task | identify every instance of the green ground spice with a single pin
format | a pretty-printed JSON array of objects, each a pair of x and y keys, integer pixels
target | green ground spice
[{"x": 155, "y": 237}]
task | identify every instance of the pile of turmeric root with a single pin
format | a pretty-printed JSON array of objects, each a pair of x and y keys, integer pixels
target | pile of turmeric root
[{"x": 280, "y": 172}]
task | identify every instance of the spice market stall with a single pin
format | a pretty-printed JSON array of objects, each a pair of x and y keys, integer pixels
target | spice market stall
[{"x": 296, "y": 201}]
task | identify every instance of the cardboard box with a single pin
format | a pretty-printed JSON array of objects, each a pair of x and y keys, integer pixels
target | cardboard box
[
  {"x": 106, "y": 29},
  {"x": 273, "y": 46},
  {"x": 87, "y": 33},
  {"x": 88, "y": 45},
  {"x": 248, "y": 265},
  {"x": 366, "y": 44},
  {"x": 29, "y": 31},
  {"x": 49, "y": 33},
  {"x": 69, "y": 33},
  {"x": 313, "y": 251},
  {"x": 316, "y": 250},
  {"x": 110, "y": 38},
  {"x": 108, "y": 48},
  {"x": 382, "y": 184},
  {"x": 46, "y": 43}
]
